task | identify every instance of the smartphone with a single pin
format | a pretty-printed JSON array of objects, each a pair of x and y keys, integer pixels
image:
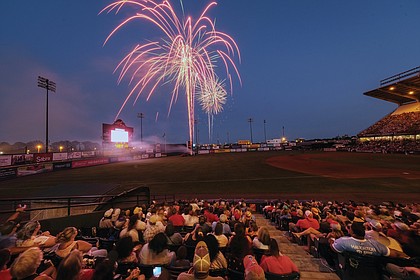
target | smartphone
[{"x": 157, "y": 271}]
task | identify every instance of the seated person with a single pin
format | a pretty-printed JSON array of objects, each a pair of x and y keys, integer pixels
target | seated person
[
  {"x": 181, "y": 257},
  {"x": 262, "y": 240},
  {"x": 252, "y": 270},
  {"x": 221, "y": 238},
  {"x": 201, "y": 265},
  {"x": 277, "y": 262},
  {"x": 356, "y": 243},
  {"x": 125, "y": 249},
  {"x": 174, "y": 238},
  {"x": 156, "y": 251},
  {"x": 26, "y": 265},
  {"x": 217, "y": 259},
  {"x": 29, "y": 236}
]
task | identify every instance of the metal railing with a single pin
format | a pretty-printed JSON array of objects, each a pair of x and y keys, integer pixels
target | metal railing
[
  {"x": 401, "y": 75},
  {"x": 85, "y": 203}
]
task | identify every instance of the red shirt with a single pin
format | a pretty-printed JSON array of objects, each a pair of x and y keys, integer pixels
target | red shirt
[
  {"x": 177, "y": 220},
  {"x": 211, "y": 217},
  {"x": 307, "y": 223},
  {"x": 278, "y": 265},
  {"x": 5, "y": 274}
]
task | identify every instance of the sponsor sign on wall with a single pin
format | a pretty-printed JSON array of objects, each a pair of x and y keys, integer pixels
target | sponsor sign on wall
[
  {"x": 74, "y": 155},
  {"x": 59, "y": 156},
  {"x": 88, "y": 154},
  {"x": 7, "y": 173},
  {"x": 43, "y": 157},
  {"x": 5, "y": 160},
  {"x": 62, "y": 165},
  {"x": 34, "y": 169},
  {"x": 89, "y": 162},
  {"x": 22, "y": 159}
]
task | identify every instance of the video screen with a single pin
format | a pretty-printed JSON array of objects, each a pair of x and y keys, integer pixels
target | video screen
[{"x": 119, "y": 135}]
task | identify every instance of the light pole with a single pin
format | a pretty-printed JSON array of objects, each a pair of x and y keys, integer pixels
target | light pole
[
  {"x": 164, "y": 138},
  {"x": 141, "y": 117},
  {"x": 48, "y": 85},
  {"x": 196, "y": 134},
  {"x": 250, "y": 127},
  {"x": 38, "y": 147},
  {"x": 265, "y": 135}
]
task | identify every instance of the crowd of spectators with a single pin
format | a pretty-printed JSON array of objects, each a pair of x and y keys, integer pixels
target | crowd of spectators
[
  {"x": 389, "y": 146},
  {"x": 395, "y": 124},
  {"x": 388, "y": 230},
  {"x": 224, "y": 238},
  {"x": 201, "y": 239}
]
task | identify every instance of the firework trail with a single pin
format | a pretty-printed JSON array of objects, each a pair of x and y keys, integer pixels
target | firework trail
[
  {"x": 212, "y": 97},
  {"x": 185, "y": 56}
]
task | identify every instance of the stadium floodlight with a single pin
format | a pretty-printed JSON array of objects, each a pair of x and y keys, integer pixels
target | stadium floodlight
[
  {"x": 49, "y": 86},
  {"x": 250, "y": 120},
  {"x": 141, "y": 117},
  {"x": 265, "y": 134}
]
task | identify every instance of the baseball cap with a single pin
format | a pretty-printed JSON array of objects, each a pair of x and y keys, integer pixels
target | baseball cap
[
  {"x": 201, "y": 261},
  {"x": 153, "y": 219},
  {"x": 252, "y": 270}
]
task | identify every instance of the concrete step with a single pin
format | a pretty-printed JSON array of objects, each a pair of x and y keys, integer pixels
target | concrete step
[{"x": 309, "y": 266}]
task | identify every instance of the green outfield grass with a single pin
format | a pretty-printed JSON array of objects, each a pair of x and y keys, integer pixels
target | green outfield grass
[{"x": 233, "y": 175}]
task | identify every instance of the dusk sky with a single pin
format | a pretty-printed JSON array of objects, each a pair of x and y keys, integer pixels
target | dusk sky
[{"x": 304, "y": 66}]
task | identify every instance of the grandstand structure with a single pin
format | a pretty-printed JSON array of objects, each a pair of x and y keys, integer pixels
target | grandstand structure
[{"x": 399, "y": 131}]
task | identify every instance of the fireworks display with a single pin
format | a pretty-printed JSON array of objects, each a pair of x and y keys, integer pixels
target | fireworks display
[
  {"x": 212, "y": 97},
  {"x": 185, "y": 57}
]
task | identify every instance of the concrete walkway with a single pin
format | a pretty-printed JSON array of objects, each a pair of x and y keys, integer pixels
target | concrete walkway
[{"x": 309, "y": 266}]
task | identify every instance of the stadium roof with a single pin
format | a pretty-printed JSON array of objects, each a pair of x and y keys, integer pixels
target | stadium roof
[{"x": 402, "y": 88}]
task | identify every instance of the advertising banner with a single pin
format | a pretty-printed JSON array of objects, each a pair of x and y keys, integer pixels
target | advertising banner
[
  {"x": 74, "y": 155},
  {"x": 5, "y": 160},
  {"x": 89, "y": 162},
  {"x": 34, "y": 169},
  {"x": 62, "y": 165},
  {"x": 88, "y": 154},
  {"x": 7, "y": 173},
  {"x": 43, "y": 157},
  {"x": 59, "y": 156},
  {"x": 22, "y": 159}
]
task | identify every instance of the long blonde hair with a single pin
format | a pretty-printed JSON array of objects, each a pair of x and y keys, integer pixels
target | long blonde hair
[{"x": 66, "y": 235}]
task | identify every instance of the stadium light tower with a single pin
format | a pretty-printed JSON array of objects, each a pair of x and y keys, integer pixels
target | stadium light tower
[
  {"x": 265, "y": 135},
  {"x": 250, "y": 127},
  {"x": 141, "y": 117},
  {"x": 49, "y": 86},
  {"x": 196, "y": 134}
]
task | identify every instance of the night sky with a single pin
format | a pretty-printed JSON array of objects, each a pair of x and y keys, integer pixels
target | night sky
[{"x": 304, "y": 67}]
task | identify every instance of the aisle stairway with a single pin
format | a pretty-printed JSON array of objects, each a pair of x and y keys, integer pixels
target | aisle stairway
[{"x": 310, "y": 267}]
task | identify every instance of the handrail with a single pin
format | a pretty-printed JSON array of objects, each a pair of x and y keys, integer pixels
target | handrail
[
  {"x": 401, "y": 75},
  {"x": 70, "y": 202}
]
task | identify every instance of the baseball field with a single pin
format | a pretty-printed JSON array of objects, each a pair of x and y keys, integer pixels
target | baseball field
[{"x": 363, "y": 177}]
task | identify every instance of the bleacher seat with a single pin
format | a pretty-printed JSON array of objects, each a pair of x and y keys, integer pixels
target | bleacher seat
[
  {"x": 218, "y": 272},
  {"x": 274, "y": 276},
  {"x": 175, "y": 271},
  {"x": 235, "y": 275},
  {"x": 354, "y": 266},
  {"x": 258, "y": 253}
]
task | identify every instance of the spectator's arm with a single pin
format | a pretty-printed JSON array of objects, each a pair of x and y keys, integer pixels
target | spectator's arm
[
  {"x": 83, "y": 246},
  {"x": 18, "y": 210},
  {"x": 415, "y": 270},
  {"x": 397, "y": 254}
]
